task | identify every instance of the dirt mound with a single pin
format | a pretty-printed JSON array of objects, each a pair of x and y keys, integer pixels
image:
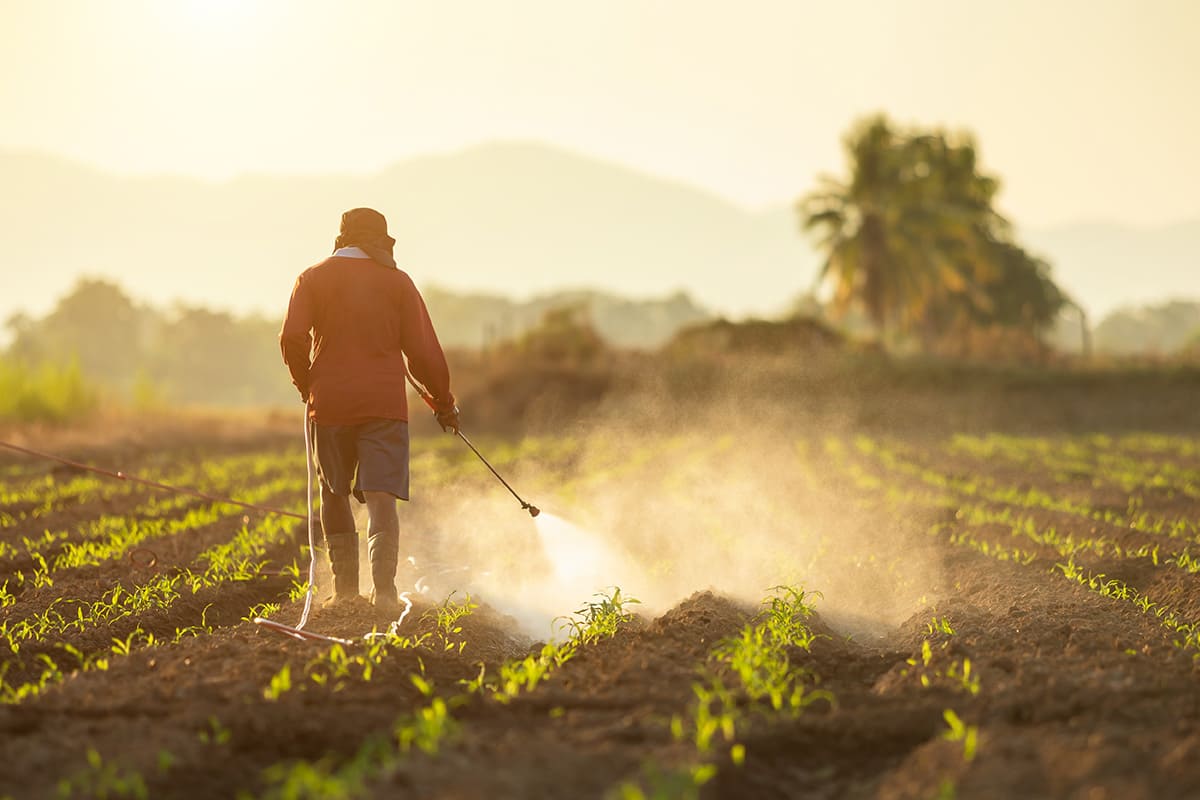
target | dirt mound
[
  {"x": 771, "y": 337},
  {"x": 704, "y": 617}
]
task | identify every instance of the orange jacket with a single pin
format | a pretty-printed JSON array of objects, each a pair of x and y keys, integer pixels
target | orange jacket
[{"x": 349, "y": 325}]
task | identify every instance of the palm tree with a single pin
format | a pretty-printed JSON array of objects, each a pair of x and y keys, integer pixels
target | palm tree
[
  {"x": 913, "y": 239},
  {"x": 855, "y": 225},
  {"x": 908, "y": 234},
  {"x": 949, "y": 219}
]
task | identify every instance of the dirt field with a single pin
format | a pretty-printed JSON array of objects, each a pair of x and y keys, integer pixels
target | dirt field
[{"x": 994, "y": 617}]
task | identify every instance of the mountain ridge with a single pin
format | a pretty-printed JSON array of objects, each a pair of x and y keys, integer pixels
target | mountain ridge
[{"x": 515, "y": 217}]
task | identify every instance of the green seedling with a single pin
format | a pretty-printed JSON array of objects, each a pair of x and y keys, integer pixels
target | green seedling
[
  {"x": 447, "y": 616},
  {"x": 102, "y": 780},
  {"x": 426, "y": 729},
  {"x": 654, "y": 783},
  {"x": 280, "y": 683},
  {"x": 261, "y": 610},
  {"x": 961, "y": 732},
  {"x": 214, "y": 733}
]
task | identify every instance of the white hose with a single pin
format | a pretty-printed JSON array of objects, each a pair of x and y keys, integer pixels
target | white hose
[{"x": 312, "y": 544}]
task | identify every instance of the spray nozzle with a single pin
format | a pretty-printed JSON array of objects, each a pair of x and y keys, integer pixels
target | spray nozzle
[{"x": 532, "y": 509}]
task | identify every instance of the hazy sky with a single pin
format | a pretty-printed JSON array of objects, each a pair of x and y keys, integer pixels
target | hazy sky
[{"x": 1087, "y": 110}]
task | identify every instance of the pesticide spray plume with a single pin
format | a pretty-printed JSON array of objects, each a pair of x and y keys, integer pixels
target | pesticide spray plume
[
  {"x": 727, "y": 494},
  {"x": 578, "y": 557}
]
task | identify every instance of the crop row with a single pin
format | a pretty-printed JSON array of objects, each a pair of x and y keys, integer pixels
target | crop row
[
  {"x": 112, "y": 536},
  {"x": 1136, "y": 444},
  {"x": 241, "y": 559},
  {"x": 429, "y": 727},
  {"x": 1065, "y": 545},
  {"x": 1186, "y": 632},
  {"x": 976, "y": 526},
  {"x": 426, "y": 729},
  {"x": 339, "y": 665},
  {"x": 981, "y": 487},
  {"x": 1071, "y": 459},
  {"x": 748, "y": 676}
]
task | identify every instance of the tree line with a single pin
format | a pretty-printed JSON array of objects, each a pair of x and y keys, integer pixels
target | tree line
[
  {"x": 98, "y": 337},
  {"x": 183, "y": 355}
]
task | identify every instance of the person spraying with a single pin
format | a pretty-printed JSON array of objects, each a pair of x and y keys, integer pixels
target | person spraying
[{"x": 352, "y": 321}]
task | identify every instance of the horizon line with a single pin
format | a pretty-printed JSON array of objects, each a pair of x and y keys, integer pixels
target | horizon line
[{"x": 527, "y": 142}]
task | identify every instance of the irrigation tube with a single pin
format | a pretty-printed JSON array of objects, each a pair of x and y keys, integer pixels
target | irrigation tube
[
  {"x": 298, "y": 631},
  {"x": 144, "y": 482},
  {"x": 312, "y": 542}
]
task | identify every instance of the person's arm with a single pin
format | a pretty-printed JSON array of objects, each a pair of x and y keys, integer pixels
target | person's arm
[
  {"x": 420, "y": 344},
  {"x": 295, "y": 339}
]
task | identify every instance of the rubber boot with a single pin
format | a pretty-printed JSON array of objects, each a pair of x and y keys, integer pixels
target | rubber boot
[
  {"x": 343, "y": 562},
  {"x": 383, "y": 551}
]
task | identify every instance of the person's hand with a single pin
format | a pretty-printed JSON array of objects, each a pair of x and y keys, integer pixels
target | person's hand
[{"x": 448, "y": 418}]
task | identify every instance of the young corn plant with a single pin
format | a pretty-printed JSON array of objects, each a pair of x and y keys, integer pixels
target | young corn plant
[
  {"x": 261, "y": 611},
  {"x": 447, "y": 616},
  {"x": 280, "y": 683},
  {"x": 679, "y": 783},
  {"x": 959, "y": 731},
  {"x": 429, "y": 726},
  {"x": 214, "y": 733},
  {"x": 600, "y": 618}
]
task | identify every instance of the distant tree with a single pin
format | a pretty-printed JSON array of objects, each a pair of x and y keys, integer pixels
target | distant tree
[
  {"x": 96, "y": 323},
  {"x": 24, "y": 345},
  {"x": 204, "y": 356},
  {"x": 1191, "y": 347},
  {"x": 1159, "y": 329},
  {"x": 188, "y": 355},
  {"x": 805, "y": 305},
  {"x": 474, "y": 320},
  {"x": 1015, "y": 291},
  {"x": 565, "y": 335},
  {"x": 1020, "y": 292},
  {"x": 855, "y": 226},
  {"x": 912, "y": 237}
]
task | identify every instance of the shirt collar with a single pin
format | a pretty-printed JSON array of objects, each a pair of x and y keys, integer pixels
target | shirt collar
[{"x": 350, "y": 252}]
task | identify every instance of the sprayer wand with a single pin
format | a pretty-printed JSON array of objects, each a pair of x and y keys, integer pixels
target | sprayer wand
[
  {"x": 428, "y": 398},
  {"x": 532, "y": 509}
]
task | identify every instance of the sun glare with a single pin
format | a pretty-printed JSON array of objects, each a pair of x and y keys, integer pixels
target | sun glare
[{"x": 212, "y": 17}]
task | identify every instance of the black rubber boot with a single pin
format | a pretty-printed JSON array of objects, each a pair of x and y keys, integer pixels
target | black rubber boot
[
  {"x": 383, "y": 551},
  {"x": 343, "y": 562}
]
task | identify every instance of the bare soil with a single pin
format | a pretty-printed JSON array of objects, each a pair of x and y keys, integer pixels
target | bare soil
[{"x": 1080, "y": 695}]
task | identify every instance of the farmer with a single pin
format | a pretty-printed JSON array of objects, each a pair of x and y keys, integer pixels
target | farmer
[{"x": 350, "y": 323}]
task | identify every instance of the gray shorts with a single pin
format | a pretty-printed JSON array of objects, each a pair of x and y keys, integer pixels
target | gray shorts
[{"x": 373, "y": 455}]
